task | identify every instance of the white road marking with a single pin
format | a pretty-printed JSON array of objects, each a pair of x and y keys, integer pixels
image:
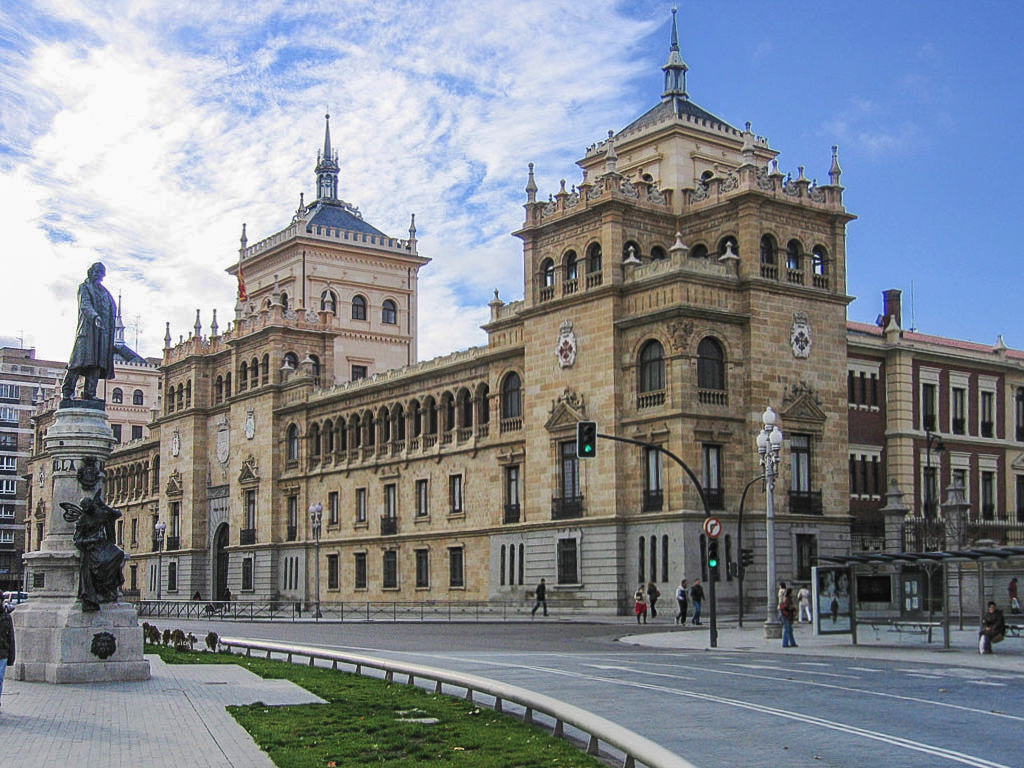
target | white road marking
[
  {"x": 985, "y": 682},
  {"x": 789, "y": 670}
]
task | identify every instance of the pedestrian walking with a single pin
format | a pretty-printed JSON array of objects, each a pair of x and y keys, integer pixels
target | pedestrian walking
[
  {"x": 787, "y": 612},
  {"x": 1011, "y": 593},
  {"x": 6, "y": 641},
  {"x": 542, "y": 599},
  {"x": 803, "y": 598},
  {"x": 640, "y": 603},
  {"x": 653, "y": 593},
  {"x": 682, "y": 596},
  {"x": 993, "y": 629},
  {"x": 697, "y": 598},
  {"x": 782, "y": 591}
]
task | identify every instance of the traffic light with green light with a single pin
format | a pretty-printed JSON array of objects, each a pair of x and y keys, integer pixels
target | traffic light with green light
[
  {"x": 713, "y": 553},
  {"x": 586, "y": 439}
]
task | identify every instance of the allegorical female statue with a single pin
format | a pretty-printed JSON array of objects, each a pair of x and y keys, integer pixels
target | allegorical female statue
[
  {"x": 93, "y": 355},
  {"x": 100, "y": 578}
]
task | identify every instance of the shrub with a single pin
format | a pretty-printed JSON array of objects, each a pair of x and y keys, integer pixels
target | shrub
[
  {"x": 167, "y": 637},
  {"x": 211, "y": 640},
  {"x": 178, "y": 639}
]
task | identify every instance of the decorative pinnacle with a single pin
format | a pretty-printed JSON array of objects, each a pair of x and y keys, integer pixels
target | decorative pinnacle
[
  {"x": 244, "y": 240},
  {"x": 835, "y": 171},
  {"x": 531, "y": 187}
]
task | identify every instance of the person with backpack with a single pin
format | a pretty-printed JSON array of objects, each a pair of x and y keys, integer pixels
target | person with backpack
[
  {"x": 787, "y": 612},
  {"x": 653, "y": 593}
]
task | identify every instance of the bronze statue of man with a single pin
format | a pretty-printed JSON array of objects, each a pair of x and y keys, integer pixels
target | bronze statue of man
[{"x": 93, "y": 355}]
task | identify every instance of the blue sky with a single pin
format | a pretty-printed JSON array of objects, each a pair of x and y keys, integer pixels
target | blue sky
[{"x": 145, "y": 133}]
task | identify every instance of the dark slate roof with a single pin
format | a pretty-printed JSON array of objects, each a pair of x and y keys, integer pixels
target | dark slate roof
[
  {"x": 674, "y": 107},
  {"x": 125, "y": 354},
  {"x": 338, "y": 216}
]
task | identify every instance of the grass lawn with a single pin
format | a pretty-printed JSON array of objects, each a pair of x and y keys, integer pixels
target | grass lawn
[{"x": 369, "y": 722}]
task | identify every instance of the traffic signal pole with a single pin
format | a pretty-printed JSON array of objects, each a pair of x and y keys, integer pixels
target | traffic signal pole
[{"x": 713, "y": 624}]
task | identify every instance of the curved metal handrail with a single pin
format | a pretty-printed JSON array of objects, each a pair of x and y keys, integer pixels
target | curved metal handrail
[{"x": 635, "y": 748}]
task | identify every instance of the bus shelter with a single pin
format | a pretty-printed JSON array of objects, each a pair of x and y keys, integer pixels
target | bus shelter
[{"x": 902, "y": 590}]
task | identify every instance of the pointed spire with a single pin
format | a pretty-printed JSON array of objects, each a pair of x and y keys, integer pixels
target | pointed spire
[
  {"x": 531, "y": 187},
  {"x": 327, "y": 167},
  {"x": 213, "y": 325},
  {"x": 675, "y": 70},
  {"x": 243, "y": 240},
  {"x": 198, "y": 326},
  {"x": 835, "y": 171},
  {"x": 118, "y": 323},
  {"x": 167, "y": 336}
]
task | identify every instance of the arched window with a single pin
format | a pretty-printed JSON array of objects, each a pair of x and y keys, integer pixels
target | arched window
[
  {"x": 117, "y": 396},
  {"x": 399, "y": 422},
  {"x": 819, "y": 260},
  {"x": 793, "y": 254},
  {"x": 328, "y": 437},
  {"x": 699, "y": 251},
  {"x": 314, "y": 440},
  {"x": 448, "y": 407},
  {"x": 652, "y": 367},
  {"x": 768, "y": 250},
  {"x": 572, "y": 269},
  {"x": 265, "y": 370},
  {"x": 181, "y": 396},
  {"x": 284, "y": 300},
  {"x": 292, "y": 443},
  {"x": 658, "y": 253},
  {"x": 706, "y": 177},
  {"x": 315, "y": 360},
  {"x": 358, "y": 307},
  {"x": 243, "y": 377},
  {"x": 389, "y": 312},
  {"x": 416, "y": 418},
  {"x": 342, "y": 428},
  {"x": 227, "y": 385},
  {"x": 138, "y": 397},
  {"x": 218, "y": 390},
  {"x": 384, "y": 422},
  {"x": 356, "y": 428},
  {"x": 429, "y": 416},
  {"x": 329, "y": 302},
  {"x": 484, "y": 398},
  {"x": 512, "y": 396},
  {"x": 594, "y": 259},
  {"x": 188, "y": 393},
  {"x": 370, "y": 424},
  {"x": 547, "y": 270},
  {"x": 710, "y": 364},
  {"x": 254, "y": 373},
  {"x": 465, "y": 409},
  {"x": 291, "y": 360}
]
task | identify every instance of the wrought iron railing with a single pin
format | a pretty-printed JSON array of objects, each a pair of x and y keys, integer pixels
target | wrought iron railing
[
  {"x": 247, "y": 536},
  {"x": 388, "y": 526},
  {"x": 512, "y": 513},
  {"x": 805, "y": 503},
  {"x": 654, "y": 500},
  {"x": 567, "y": 508}
]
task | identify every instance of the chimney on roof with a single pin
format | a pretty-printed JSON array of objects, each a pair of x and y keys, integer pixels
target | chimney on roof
[{"x": 892, "y": 307}]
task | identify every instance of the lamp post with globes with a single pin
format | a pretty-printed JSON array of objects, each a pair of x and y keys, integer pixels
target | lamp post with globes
[
  {"x": 769, "y": 443},
  {"x": 159, "y": 530},
  {"x": 316, "y": 521}
]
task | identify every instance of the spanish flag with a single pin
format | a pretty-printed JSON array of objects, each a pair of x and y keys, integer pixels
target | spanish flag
[{"x": 242, "y": 295}]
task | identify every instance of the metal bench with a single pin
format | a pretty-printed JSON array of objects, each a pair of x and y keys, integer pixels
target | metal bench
[{"x": 905, "y": 627}]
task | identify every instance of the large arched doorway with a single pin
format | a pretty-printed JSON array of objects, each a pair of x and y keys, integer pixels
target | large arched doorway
[{"x": 220, "y": 563}]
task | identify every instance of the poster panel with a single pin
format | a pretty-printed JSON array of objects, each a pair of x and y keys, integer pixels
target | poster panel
[{"x": 832, "y": 602}]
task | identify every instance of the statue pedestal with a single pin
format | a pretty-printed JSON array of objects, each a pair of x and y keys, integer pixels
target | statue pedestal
[{"x": 57, "y": 642}]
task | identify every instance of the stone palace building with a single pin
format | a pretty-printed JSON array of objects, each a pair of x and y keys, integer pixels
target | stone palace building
[{"x": 672, "y": 293}]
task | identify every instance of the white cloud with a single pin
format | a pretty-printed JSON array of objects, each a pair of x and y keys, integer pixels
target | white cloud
[{"x": 151, "y": 131}]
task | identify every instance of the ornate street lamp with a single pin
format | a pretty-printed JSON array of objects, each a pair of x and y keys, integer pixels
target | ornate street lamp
[
  {"x": 769, "y": 443},
  {"x": 955, "y": 511},
  {"x": 316, "y": 520},
  {"x": 930, "y": 495},
  {"x": 159, "y": 530}
]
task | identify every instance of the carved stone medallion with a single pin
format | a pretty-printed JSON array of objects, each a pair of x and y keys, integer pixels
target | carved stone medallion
[
  {"x": 566, "y": 347},
  {"x": 250, "y": 424},
  {"x": 800, "y": 335},
  {"x": 223, "y": 441}
]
